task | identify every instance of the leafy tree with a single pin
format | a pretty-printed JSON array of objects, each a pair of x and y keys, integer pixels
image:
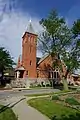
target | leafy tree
[
  {"x": 5, "y": 62},
  {"x": 76, "y": 36},
  {"x": 57, "y": 39},
  {"x": 76, "y": 28}
]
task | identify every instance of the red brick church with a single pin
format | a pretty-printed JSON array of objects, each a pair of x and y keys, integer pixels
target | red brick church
[{"x": 30, "y": 66}]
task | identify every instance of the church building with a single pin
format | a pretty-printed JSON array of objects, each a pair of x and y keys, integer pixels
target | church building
[{"x": 30, "y": 66}]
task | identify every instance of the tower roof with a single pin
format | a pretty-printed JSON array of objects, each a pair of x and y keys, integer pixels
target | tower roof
[{"x": 30, "y": 28}]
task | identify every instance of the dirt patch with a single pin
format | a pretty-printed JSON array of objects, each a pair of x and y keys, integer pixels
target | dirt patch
[{"x": 76, "y": 96}]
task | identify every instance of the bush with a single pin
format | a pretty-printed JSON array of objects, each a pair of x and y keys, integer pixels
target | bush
[
  {"x": 7, "y": 113},
  {"x": 39, "y": 85},
  {"x": 55, "y": 97},
  {"x": 34, "y": 85},
  {"x": 48, "y": 85},
  {"x": 78, "y": 90},
  {"x": 42, "y": 84},
  {"x": 72, "y": 101}
]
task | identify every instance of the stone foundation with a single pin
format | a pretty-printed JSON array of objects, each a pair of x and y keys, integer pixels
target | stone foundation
[
  {"x": 26, "y": 83},
  {"x": 18, "y": 83},
  {"x": 31, "y": 82}
]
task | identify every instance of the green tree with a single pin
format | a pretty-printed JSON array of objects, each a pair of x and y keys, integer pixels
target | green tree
[
  {"x": 76, "y": 28},
  {"x": 5, "y": 62},
  {"x": 56, "y": 39},
  {"x": 76, "y": 37}
]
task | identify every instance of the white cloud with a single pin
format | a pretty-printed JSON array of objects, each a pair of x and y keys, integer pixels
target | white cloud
[{"x": 12, "y": 27}]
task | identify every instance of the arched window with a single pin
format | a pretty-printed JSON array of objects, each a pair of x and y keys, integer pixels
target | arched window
[{"x": 54, "y": 74}]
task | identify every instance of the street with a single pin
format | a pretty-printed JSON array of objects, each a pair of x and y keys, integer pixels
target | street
[{"x": 14, "y": 93}]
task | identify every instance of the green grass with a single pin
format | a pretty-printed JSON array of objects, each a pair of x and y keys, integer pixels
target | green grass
[
  {"x": 7, "y": 114},
  {"x": 52, "y": 93},
  {"x": 72, "y": 101},
  {"x": 39, "y": 87},
  {"x": 41, "y": 94},
  {"x": 51, "y": 109},
  {"x": 55, "y": 97}
]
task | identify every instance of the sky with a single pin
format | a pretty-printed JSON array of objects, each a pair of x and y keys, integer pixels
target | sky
[{"x": 15, "y": 16}]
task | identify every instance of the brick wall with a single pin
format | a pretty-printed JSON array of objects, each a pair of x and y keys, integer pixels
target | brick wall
[
  {"x": 29, "y": 54},
  {"x": 45, "y": 67}
]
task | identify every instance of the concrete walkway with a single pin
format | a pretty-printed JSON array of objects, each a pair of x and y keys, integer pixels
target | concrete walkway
[{"x": 22, "y": 110}]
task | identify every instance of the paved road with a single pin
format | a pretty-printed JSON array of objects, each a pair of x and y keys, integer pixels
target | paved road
[{"x": 15, "y": 93}]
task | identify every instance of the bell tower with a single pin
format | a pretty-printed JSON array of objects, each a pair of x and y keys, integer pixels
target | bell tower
[{"x": 29, "y": 51}]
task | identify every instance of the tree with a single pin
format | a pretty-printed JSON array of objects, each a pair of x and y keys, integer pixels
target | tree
[
  {"x": 57, "y": 40},
  {"x": 76, "y": 28},
  {"x": 76, "y": 36},
  {"x": 5, "y": 62}
]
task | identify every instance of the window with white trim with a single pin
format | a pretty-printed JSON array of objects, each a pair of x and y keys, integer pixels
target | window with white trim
[{"x": 54, "y": 74}]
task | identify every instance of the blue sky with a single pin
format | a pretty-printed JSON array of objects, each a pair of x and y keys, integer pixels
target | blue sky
[
  {"x": 15, "y": 16},
  {"x": 41, "y": 8}
]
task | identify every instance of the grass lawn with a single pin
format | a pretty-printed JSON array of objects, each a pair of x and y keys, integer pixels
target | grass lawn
[
  {"x": 53, "y": 110},
  {"x": 7, "y": 114},
  {"x": 41, "y": 94},
  {"x": 52, "y": 93}
]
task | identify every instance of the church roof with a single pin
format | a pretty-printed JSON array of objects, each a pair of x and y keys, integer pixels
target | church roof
[
  {"x": 37, "y": 59},
  {"x": 43, "y": 58},
  {"x": 30, "y": 28},
  {"x": 20, "y": 68}
]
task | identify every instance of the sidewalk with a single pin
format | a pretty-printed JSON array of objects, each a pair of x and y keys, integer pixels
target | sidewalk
[
  {"x": 25, "y": 112},
  {"x": 22, "y": 110}
]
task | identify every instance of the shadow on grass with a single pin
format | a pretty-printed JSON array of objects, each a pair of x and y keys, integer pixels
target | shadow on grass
[
  {"x": 3, "y": 108},
  {"x": 70, "y": 117}
]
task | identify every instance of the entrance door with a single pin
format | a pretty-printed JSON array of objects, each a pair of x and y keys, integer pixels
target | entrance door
[{"x": 21, "y": 74}]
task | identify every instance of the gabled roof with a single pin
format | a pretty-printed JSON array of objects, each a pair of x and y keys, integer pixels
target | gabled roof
[
  {"x": 43, "y": 58},
  {"x": 20, "y": 68},
  {"x": 37, "y": 59}
]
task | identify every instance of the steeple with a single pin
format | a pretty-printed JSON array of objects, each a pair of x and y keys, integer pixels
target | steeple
[
  {"x": 30, "y": 28},
  {"x": 19, "y": 62}
]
